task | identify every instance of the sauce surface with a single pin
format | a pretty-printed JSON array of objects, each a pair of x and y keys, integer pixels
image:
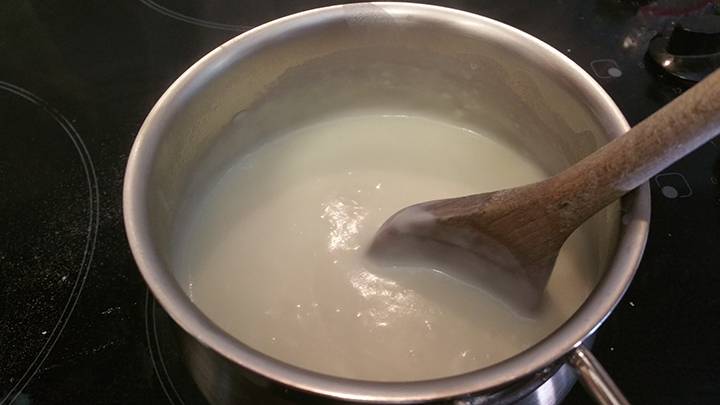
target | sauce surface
[{"x": 274, "y": 252}]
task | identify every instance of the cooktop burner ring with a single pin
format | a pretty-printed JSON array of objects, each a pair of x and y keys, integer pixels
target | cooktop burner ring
[
  {"x": 92, "y": 231},
  {"x": 155, "y": 351},
  {"x": 193, "y": 20}
]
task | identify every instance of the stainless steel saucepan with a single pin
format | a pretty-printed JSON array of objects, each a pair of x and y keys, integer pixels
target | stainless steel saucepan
[{"x": 434, "y": 60}]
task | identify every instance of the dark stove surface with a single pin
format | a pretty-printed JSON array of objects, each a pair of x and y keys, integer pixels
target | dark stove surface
[{"x": 77, "y": 78}]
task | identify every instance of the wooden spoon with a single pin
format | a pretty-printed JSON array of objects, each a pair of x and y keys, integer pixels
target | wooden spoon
[{"x": 507, "y": 241}]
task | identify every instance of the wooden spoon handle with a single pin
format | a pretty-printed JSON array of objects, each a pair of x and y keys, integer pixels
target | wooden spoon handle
[{"x": 630, "y": 160}]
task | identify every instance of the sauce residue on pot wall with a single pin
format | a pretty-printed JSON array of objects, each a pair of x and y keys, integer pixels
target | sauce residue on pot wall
[{"x": 274, "y": 252}]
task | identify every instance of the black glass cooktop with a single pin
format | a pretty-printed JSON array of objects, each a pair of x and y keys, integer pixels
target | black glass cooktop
[{"x": 77, "y": 78}]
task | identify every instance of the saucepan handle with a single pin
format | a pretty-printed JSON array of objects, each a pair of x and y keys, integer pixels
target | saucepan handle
[{"x": 594, "y": 377}]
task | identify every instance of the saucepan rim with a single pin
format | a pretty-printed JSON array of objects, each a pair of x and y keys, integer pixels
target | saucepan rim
[{"x": 169, "y": 294}]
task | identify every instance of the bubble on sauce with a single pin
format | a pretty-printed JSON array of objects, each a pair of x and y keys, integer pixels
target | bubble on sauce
[{"x": 345, "y": 217}]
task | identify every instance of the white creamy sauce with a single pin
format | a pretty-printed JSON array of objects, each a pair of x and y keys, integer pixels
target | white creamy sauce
[{"x": 274, "y": 252}]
